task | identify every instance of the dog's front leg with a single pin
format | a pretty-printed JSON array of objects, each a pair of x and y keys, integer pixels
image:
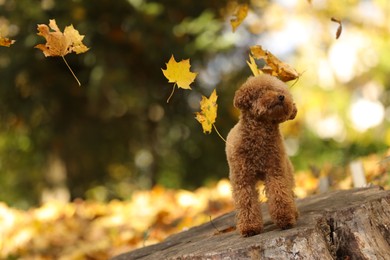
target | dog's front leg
[
  {"x": 248, "y": 211},
  {"x": 281, "y": 201}
]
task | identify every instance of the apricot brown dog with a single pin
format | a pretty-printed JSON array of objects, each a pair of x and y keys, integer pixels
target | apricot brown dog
[{"x": 256, "y": 152}]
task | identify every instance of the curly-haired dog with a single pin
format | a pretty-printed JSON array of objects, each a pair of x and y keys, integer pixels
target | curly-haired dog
[{"x": 255, "y": 151}]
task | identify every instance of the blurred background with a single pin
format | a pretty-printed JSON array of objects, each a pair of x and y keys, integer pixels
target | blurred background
[{"x": 116, "y": 134}]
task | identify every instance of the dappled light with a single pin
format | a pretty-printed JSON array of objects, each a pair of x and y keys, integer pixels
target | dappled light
[
  {"x": 102, "y": 230},
  {"x": 137, "y": 152}
]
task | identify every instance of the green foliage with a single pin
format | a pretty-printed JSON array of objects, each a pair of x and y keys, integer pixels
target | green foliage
[
  {"x": 117, "y": 117},
  {"x": 117, "y": 134}
]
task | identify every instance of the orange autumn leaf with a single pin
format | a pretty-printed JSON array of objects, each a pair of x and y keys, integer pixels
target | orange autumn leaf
[
  {"x": 273, "y": 66},
  {"x": 179, "y": 73},
  {"x": 253, "y": 66},
  {"x": 6, "y": 42},
  {"x": 208, "y": 112},
  {"x": 240, "y": 15},
  {"x": 225, "y": 230},
  {"x": 61, "y": 43},
  {"x": 34, "y": 233}
]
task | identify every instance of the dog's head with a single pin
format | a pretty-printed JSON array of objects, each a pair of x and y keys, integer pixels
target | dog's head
[{"x": 265, "y": 98}]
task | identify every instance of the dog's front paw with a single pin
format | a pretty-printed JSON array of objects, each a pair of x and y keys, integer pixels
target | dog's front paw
[
  {"x": 286, "y": 221},
  {"x": 284, "y": 215},
  {"x": 250, "y": 230},
  {"x": 287, "y": 226},
  {"x": 249, "y": 221},
  {"x": 250, "y": 233}
]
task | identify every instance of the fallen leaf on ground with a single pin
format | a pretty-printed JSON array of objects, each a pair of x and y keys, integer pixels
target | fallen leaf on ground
[{"x": 225, "y": 230}]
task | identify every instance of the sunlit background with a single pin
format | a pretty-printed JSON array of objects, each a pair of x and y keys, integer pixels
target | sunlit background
[{"x": 136, "y": 168}]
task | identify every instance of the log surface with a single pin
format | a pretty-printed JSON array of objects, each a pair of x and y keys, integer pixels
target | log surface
[{"x": 348, "y": 224}]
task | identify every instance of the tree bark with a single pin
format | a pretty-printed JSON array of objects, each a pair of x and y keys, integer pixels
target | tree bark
[{"x": 348, "y": 224}]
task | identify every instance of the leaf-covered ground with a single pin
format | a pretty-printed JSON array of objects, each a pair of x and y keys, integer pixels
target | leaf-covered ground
[{"x": 94, "y": 230}]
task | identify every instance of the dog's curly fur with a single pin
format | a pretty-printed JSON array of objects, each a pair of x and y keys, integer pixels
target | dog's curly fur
[{"x": 255, "y": 151}]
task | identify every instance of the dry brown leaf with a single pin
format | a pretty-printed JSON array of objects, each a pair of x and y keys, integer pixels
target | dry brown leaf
[
  {"x": 339, "y": 29},
  {"x": 58, "y": 43},
  {"x": 273, "y": 66},
  {"x": 225, "y": 230},
  {"x": 6, "y": 42}
]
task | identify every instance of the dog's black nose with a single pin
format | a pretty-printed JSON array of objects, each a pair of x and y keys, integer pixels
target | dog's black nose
[{"x": 281, "y": 97}]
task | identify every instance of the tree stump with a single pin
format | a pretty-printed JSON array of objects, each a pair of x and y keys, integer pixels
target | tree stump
[{"x": 347, "y": 224}]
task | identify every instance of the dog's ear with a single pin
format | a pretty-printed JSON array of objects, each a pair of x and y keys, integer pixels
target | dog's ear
[{"x": 242, "y": 99}]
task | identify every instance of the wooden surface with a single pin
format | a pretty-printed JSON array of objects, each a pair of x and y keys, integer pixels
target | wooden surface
[{"x": 351, "y": 224}]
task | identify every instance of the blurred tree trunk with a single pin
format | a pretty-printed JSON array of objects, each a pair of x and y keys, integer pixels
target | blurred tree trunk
[
  {"x": 153, "y": 142},
  {"x": 55, "y": 179},
  {"x": 352, "y": 224}
]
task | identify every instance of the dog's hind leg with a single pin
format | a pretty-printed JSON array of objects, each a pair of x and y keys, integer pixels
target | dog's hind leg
[
  {"x": 281, "y": 202},
  {"x": 248, "y": 211}
]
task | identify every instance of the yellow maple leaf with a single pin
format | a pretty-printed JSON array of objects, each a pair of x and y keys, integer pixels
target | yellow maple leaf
[
  {"x": 76, "y": 44},
  {"x": 179, "y": 73},
  {"x": 60, "y": 44},
  {"x": 208, "y": 113},
  {"x": 6, "y": 42},
  {"x": 273, "y": 66},
  {"x": 240, "y": 15}
]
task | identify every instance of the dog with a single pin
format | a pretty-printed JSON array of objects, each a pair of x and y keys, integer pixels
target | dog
[{"x": 255, "y": 152}]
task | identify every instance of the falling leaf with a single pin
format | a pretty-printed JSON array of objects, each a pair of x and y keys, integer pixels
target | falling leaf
[
  {"x": 240, "y": 15},
  {"x": 339, "y": 29},
  {"x": 208, "y": 113},
  {"x": 179, "y": 73},
  {"x": 253, "y": 66},
  {"x": 6, "y": 42},
  {"x": 60, "y": 44},
  {"x": 273, "y": 66}
]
